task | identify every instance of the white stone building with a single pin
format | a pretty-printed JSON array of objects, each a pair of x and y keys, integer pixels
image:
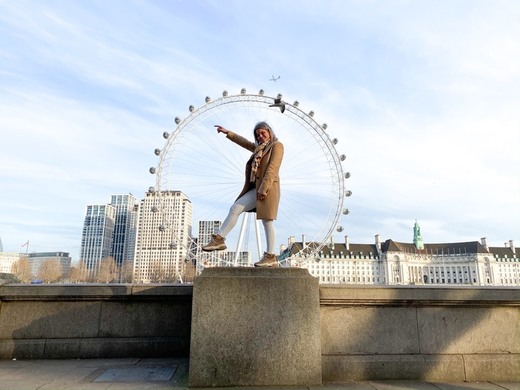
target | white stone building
[
  {"x": 396, "y": 263},
  {"x": 7, "y": 259},
  {"x": 36, "y": 259},
  {"x": 163, "y": 237}
]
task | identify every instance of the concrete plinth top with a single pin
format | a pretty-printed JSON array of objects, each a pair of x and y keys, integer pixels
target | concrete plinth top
[{"x": 256, "y": 272}]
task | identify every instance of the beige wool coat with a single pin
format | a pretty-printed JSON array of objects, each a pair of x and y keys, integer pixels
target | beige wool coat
[{"x": 267, "y": 178}]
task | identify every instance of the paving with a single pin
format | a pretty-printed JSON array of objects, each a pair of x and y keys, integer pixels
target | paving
[{"x": 144, "y": 374}]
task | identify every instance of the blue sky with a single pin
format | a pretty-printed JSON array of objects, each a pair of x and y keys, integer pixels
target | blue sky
[{"x": 424, "y": 97}]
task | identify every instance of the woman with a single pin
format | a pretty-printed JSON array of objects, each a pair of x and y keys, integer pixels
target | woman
[{"x": 261, "y": 191}]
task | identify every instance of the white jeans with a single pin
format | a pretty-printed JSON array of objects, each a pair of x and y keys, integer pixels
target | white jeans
[{"x": 247, "y": 202}]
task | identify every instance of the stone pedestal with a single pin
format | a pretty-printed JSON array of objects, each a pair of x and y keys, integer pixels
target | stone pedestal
[{"x": 255, "y": 327}]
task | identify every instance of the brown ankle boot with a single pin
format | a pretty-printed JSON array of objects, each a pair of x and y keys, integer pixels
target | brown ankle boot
[
  {"x": 269, "y": 260},
  {"x": 217, "y": 243}
]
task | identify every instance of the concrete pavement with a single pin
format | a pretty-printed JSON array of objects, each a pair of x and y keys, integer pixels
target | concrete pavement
[{"x": 144, "y": 374}]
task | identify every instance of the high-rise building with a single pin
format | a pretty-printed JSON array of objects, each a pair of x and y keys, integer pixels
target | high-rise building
[
  {"x": 97, "y": 236},
  {"x": 164, "y": 238},
  {"x": 206, "y": 230},
  {"x": 218, "y": 258},
  {"x": 123, "y": 240}
]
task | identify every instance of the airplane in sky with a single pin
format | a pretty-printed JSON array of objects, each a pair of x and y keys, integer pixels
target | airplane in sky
[{"x": 274, "y": 78}]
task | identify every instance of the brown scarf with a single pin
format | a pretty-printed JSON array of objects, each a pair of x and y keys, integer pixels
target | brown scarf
[{"x": 256, "y": 158}]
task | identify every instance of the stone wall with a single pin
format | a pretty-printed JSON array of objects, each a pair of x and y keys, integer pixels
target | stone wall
[
  {"x": 438, "y": 334},
  {"x": 367, "y": 333},
  {"x": 94, "y": 321}
]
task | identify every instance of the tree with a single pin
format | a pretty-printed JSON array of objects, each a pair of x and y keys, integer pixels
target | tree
[
  {"x": 22, "y": 270},
  {"x": 79, "y": 273},
  {"x": 126, "y": 270},
  {"x": 155, "y": 272},
  {"x": 168, "y": 274},
  {"x": 50, "y": 271},
  {"x": 162, "y": 273},
  {"x": 189, "y": 272},
  {"x": 107, "y": 270}
]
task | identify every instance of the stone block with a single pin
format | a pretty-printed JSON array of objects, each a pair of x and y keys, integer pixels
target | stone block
[
  {"x": 255, "y": 327},
  {"x": 34, "y": 319},
  {"x": 469, "y": 330},
  {"x": 492, "y": 367},
  {"x": 340, "y": 369},
  {"x": 155, "y": 318},
  {"x": 22, "y": 349},
  {"x": 368, "y": 330}
]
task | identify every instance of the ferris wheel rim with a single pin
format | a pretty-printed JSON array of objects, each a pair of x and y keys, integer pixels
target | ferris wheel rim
[{"x": 321, "y": 136}]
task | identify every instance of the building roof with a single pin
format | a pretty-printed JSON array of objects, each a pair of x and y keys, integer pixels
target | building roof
[
  {"x": 338, "y": 248},
  {"x": 504, "y": 251},
  {"x": 454, "y": 248}
]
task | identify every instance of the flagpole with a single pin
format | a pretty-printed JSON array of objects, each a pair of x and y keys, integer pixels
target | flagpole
[{"x": 26, "y": 245}]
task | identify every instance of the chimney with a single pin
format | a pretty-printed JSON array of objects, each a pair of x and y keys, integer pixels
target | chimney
[
  {"x": 512, "y": 245},
  {"x": 378, "y": 240},
  {"x": 332, "y": 242},
  {"x": 483, "y": 241},
  {"x": 291, "y": 240},
  {"x": 303, "y": 241},
  {"x": 347, "y": 243}
]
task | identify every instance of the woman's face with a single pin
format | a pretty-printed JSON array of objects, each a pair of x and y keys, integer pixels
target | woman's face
[{"x": 263, "y": 135}]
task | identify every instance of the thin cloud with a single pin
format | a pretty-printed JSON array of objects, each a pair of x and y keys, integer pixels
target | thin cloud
[{"x": 423, "y": 98}]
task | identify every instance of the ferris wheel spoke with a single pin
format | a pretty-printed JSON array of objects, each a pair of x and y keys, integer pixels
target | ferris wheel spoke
[{"x": 209, "y": 170}]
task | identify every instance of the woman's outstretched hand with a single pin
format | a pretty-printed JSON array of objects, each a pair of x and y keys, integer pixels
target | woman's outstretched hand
[{"x": 221, "y": 129}]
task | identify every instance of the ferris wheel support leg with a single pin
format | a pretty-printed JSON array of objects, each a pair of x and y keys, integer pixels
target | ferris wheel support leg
[
  {"x": 258, "y": 239},
  {"x": 240, "y": 238}
]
